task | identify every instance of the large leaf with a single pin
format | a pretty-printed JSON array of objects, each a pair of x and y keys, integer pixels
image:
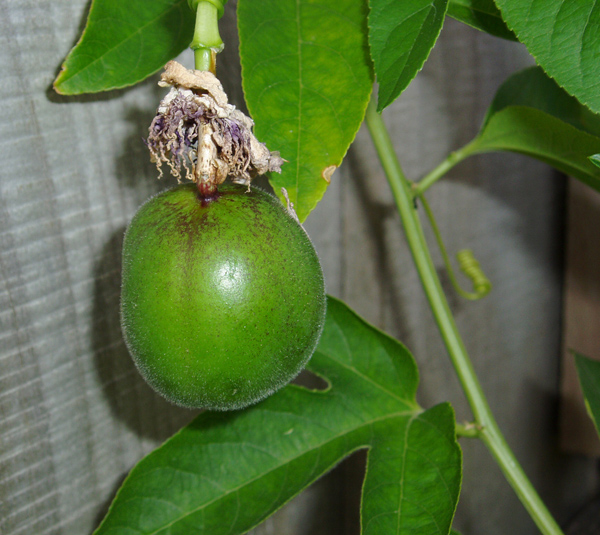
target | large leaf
[
  {"x": 564, "y": 38},
  {"x": 589, "y": 377},
  {"x": 401, "y": 35},
  {"x": 307, "y": 80},
  {"x": 226, "y": 472},
  {"x": 532, "y": 115},
  {"x": 531, "y": 87},
  {"x": 125, "y": 42},
  {"x": 480, "y": 14}
]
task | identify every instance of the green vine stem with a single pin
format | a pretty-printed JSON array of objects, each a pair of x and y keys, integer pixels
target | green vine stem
[
  {"x": 207, "y": 42},
  {"x": 489, "y": 431}
]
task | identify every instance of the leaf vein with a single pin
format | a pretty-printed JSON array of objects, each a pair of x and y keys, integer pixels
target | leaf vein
[
  {"x": 173, "y": 8},
  {"x": 246, "y": 483},
  {"x": 365, "y": 377}
]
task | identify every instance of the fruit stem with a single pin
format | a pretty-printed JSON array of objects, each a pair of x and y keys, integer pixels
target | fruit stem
[
  {"x": 207, "y": 191},
  {"x": 207, "y": 42},
  {"x": 489, "y": 431}
]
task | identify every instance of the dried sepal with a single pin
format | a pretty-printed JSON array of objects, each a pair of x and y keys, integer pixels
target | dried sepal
[{"x": 196, "y": 132}]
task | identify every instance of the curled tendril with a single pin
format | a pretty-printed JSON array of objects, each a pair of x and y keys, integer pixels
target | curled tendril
[
  {"x": 466, "y": 261},
  {"x": 471, "y": 268}
]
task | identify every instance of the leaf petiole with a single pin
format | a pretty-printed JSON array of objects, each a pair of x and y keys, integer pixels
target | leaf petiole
[
  {"x": 439, "y": 171},
  {"x": 468, "y": 430}
]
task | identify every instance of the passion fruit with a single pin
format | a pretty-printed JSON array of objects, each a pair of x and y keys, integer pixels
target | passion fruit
[{"x": 223, "y": 299}]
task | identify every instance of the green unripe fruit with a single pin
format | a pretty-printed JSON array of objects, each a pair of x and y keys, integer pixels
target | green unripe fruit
[{"x": 222, "y": 300}]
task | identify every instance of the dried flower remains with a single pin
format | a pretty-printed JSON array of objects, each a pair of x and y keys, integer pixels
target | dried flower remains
[{"x": 196, "y": 132}]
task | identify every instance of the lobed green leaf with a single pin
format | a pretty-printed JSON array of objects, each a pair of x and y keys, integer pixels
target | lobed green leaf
[
  {"x": 589, "y": 377},
  {"x": 401, "y": 36},
  {"x": 307, "y": 79},
  {"x": 226, "y": 472},
  {"x": 125, "y": 42},
  {"x": 482, "y": 15},
  {"x": 564, "y": 38},
  {"x": 532, "y": 115}
]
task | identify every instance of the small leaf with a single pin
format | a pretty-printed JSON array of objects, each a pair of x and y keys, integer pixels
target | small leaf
[
  {"x": 595, "y": 159},
  {"x": 589, "y": 377},
  {"x": 124, "y": 43},
  {"x": 531, "y": 115},
  {"x": 401, "y": 35},
  {"x": 564, "y": 38},
  {"x": 226, "y": 472},
  {"x": 307, "y": 80},
  {"x": 482, "y": 15}
]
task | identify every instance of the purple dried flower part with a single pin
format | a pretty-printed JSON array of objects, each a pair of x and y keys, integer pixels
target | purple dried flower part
[
  {"x": 173, "y": 133},
  {"x": 197, "y": 132}
]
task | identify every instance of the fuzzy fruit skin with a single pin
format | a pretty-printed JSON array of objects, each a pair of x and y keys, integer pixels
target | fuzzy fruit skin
[{"x": 222, "y": 302}]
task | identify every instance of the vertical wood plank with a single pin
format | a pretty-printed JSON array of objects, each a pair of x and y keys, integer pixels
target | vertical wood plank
[
  {"x": 581, "y": 322},
  {"x": 74, "y": 414}
]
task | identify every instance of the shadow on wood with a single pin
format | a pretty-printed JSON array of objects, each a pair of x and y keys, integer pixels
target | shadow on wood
[{"x": 131, "y": 399}]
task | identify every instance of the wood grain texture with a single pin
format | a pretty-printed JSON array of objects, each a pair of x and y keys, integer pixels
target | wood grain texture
[
  {"x": 581, "y": 322},
  {"x": 75, "y": 415}
]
